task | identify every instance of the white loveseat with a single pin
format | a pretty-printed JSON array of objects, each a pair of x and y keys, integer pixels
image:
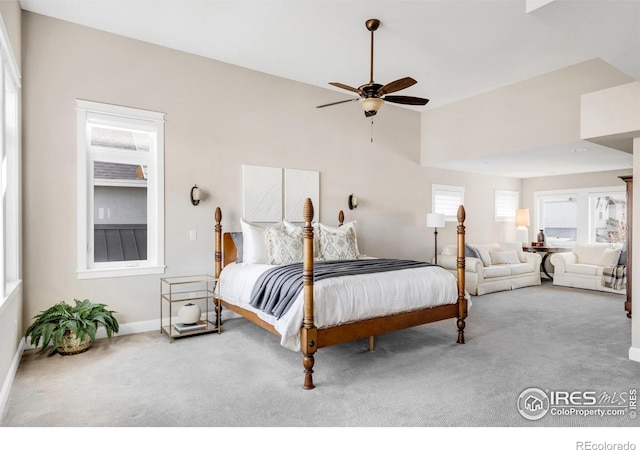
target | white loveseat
[
  {"x": 583, "y": 267},
  {"x": 500, "y": 266}
]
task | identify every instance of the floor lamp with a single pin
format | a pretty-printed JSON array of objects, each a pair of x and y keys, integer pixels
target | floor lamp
[
  {"x": 435, "y": 221},
  {"x": 522, "y": 222}
]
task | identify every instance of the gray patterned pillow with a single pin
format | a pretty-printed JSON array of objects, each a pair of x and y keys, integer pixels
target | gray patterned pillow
[
  {"x": 339, "y": 244},
  {"x": 284, "y": 248}
]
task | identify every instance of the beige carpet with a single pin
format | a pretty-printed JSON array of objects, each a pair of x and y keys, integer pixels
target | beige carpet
[{"x": 547, "y": 337}]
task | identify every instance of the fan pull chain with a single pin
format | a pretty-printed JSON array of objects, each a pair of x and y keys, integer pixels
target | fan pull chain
[{"x": 372, "y": 130}]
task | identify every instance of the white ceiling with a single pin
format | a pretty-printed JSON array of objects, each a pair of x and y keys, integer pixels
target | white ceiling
[{"x": 455, "y": 49}]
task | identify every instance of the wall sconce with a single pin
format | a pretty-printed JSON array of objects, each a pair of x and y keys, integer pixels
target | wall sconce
[
  {"x": 195, "y": 195},
  {"x": 353, "y": 201}
]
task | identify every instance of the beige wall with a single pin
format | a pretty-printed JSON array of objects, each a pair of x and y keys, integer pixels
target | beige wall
[{"x": 218, "y": 117}]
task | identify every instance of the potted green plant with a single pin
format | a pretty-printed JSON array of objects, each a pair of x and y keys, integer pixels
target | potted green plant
[{"x": 71, "y": 329}]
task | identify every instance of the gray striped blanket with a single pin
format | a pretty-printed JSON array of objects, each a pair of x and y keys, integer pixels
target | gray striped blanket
[{"x": 277, "y": 288}]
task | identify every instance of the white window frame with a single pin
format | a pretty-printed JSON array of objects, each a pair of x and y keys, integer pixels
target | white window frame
[
  {"x": 505, "y": 205},
  {"x": 154, "y": 160},
  {"x": 583, "y": 219},
  {"x": 455, "y": 194},
  {"x": 10, "y": 171}
]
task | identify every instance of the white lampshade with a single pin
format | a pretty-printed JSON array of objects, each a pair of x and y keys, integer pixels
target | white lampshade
[
  {"x": 435, "y": 220},
  {"x": 522, "y": 217},
  {"x": 371, "y": 104}
]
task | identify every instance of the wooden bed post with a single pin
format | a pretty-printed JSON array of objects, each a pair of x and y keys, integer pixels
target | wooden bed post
[
  {"x": 218, "y": 258},
  {"x": 308, "y": 332},
  {"x": 460, "y": 260}
]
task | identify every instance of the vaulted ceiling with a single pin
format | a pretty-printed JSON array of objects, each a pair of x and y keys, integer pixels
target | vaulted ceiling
[{"x": 454, "y": 49}]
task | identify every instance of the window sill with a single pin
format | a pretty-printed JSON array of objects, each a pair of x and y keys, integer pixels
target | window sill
[{"x": 87, "y": 274}]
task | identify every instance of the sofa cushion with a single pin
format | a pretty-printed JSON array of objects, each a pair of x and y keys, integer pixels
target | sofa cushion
[
  {"x": 497, "y": 271},
  {"x": 582, "y": 269},
  {"x": 513, "y": 246},
  {"x": 593, "y": 253},
  {"x": 521, "y": 268},
  {"x": 510, "y": 257}
]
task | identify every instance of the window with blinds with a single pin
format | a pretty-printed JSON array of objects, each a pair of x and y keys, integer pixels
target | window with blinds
[
  {"x": 446, "y": 200},
  {"x": 506, "y": 203}
]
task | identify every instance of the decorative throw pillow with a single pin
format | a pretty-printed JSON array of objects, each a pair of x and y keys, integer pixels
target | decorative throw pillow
[
  {"x": 291, "y": 227},
  {"x": 610, "y": 257},
  {"x": 484, "y": 255},
  {"x": 471, "y": 251},
  {"x": 624, "y": 255},
  {"x": 339, "y": 244},
  {"x": 510, "y": 257},
  {"x": 237, "y": 241},
  {"x": 345, "y": 226},
  {"x": 285, "y": 248},
  {"x": 513, "y": 246},
  {"x": 254, "y": 242}
]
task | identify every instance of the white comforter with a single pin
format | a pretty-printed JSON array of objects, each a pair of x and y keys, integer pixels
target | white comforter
[{"x": 344, "y": 299}]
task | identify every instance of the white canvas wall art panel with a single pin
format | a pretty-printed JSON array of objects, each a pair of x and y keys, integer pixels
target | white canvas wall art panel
[
  {"x": 262, "y": 194},
  {"x": 298, "y": 185}
]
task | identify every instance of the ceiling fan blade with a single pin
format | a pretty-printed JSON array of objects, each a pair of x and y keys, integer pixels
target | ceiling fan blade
[
  {"x": 344, "y": 86},
  {"x": 337, "y": 103},
  {"x": 404, "y": 100},
  {"x": 397, "y": 85}
]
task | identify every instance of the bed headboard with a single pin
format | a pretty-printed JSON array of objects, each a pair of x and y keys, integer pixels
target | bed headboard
[{"x": 229, "y": 250}]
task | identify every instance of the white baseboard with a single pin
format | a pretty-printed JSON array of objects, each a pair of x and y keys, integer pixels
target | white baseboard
[
  {"x": 8, "y": 381},
  {"x": 634, "y": 354}
]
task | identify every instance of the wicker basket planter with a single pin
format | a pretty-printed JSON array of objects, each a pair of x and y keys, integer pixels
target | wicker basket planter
[{"x": 71, "y": 345}]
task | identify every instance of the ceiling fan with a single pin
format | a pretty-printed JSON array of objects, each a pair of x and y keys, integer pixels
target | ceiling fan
[{"x": 373, "y": 95}]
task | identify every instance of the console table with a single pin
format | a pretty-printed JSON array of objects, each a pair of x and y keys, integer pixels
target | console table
[{"x": 547, "y": 251}]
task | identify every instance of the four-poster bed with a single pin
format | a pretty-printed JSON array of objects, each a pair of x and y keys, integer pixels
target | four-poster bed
[{"x": 312, "y": 314}]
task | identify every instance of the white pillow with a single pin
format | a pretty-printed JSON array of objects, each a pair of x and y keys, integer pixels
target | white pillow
[
  {"x": 513, "y": 246},
  {"x": 284, "y": 248},
  {"x": 339, "y": 244},
  {"x": 484, "y": 254},
  {"x": 345, "y": 226},
  {"x": 610, "y": 257},
  {"x": 255, "y": 249},
  {"x": 509, "y": 257}
]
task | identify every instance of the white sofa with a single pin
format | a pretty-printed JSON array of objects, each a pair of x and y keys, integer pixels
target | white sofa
[
  {"x": 583, "y": 267},
  {"x": 500, "y": 266}
]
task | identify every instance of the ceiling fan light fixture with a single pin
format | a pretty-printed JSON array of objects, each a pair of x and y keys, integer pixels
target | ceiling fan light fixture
[{"x": 371, "y": 105}]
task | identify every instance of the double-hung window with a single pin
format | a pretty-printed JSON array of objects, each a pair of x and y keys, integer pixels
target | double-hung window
[{"x": 120, "y": 191}]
